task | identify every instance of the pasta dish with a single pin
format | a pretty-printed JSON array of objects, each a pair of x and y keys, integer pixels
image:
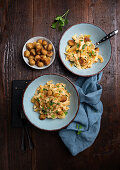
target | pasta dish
[
  {"x": 51, "y": 100},
  {"x": 81, "y": 52}
]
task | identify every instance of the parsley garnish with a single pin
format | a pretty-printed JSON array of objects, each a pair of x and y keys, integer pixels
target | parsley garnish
[
  {"x": 66, "y": 113},
  {"x": 56, "y": 111},
  {"x": 79, "y": 127},
  {"x": 38, "y": 99},
  {"x": 83, "y": 46},
  {"x": 81, "y": 40},
  {"x": 51, "y": 103},
  {"x": 77, "y": 51},
  {"x": 53, "y": 116},
  {"x": 93, "y": 53},
  {"x": 60, "y": 21},
  {"x": 90, "y": 54},
  {"x": 78, "y": 45},
  {"x": 44, "y": 89},
  {"x": 58, "y": 86},
  {"x": 58, "y": 103}
]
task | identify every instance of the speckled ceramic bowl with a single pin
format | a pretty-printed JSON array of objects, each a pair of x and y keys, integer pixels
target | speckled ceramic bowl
[
  {"x": 34, "y": 39},
  {"x": 96, "y": 35},
  {"x": 50, "y": 124}
]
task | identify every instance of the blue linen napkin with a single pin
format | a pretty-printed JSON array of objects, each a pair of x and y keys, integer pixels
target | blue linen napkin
[{"x": 82, "y": 132}]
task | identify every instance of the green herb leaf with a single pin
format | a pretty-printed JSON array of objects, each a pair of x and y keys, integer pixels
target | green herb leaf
[
  {"x": 66, "y": 113},
  {"x": 79, "y": 127},
  {"x": 83, "y": 46},
  {"x": 77, "y": 51},
  {"x": 58, "y": 18},
  {"x": 90, "y": 54},
  {"x": 61, "y": 21},
  {"x": 78, "y": 45},
  {"x": 56, "y": 111},
  {"x": 54, "y": 25},
  {"x": 81, "y": 40},
  {"x": 38, "y": 99},
  {"x": 60, "y": 28},
  {"x": 58, "y": 103},
  {"x": 66, "y": 21},
  {"x": 53, "y": 116},
  {"x": 44, "y": 89},
  {"x": 93, "y": 53},
  {"x": 51, "y": 103}
]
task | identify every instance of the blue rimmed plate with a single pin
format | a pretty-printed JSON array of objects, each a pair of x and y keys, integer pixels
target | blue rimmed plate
[
  {"x": 96, "y": 35},
  {"x": 50, "y": 124}
]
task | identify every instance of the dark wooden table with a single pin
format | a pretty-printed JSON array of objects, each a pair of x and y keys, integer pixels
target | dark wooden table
[{"x": 23, "y": 19}]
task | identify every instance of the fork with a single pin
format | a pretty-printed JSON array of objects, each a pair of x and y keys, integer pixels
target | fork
[
  {"x": 108, "y": 36},
  {"x": 25, "y": 129}
]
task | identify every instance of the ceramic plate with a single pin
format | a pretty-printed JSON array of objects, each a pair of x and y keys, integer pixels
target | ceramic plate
[
  {"x": 50, "y": 124},
  {"x": 34, "y": 39},
  {"x": 96, "y": 35}
]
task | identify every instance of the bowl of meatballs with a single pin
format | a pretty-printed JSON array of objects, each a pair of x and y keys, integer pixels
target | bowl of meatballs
[{"x": 38, "y": 52}]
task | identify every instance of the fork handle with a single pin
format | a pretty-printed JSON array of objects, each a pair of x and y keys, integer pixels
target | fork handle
[
  {"x": 29, "y": 139},
  {"x": 23, "y": 147},
  {"x": 107, "y": 37}
]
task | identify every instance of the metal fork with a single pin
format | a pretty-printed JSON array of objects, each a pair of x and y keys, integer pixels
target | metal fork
[{"x": 25, "y": 129}]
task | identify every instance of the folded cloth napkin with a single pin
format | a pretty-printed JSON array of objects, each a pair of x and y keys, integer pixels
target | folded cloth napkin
[{"x": 82, "y": 132}]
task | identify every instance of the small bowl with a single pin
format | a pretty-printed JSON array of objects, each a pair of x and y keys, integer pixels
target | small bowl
[
  {"x": 34, "y": 39},
  {"x": 50, "y": 124},
  {"x": 96, "y": 35}
]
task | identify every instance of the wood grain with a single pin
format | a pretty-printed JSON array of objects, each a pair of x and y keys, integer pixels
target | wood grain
[{"x": 21, "y": 20}]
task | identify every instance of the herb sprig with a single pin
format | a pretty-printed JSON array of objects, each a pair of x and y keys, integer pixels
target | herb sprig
[
  {"x": 60, "y": 21},
  {"x": 79, "y": 127}
]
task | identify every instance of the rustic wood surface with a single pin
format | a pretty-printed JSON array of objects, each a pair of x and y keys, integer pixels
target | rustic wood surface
[{"x": 23, "y": 19}]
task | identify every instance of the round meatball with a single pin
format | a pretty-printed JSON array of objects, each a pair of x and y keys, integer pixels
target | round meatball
[
  {"x": 43, "y": 51},
  {"x": 63, "y": 98},
  {"x": 49, "y": 53},
  {"x": 34, "y": 44},
  {"x": 29, "y": 46},
  {"x": 38, "y": 47},
  {"x": 39, "y": 41},
  {"x": 38, "y": 52},
  {"x": 32, "y": 52},
  {"x": 45, "y": 47},
  {"x": 47, "y": 61},
  {"x": 43, "y": 57},
  {"x": 44, "y": 42},
  {"x": 42, "y": 116},
  {"x": 32, "y": 62},
  {"x": 40, "y": 64},
  {"x": 49, "y": 92},
  {"x": 27, "y": 53},
  {"x": 50, "y": 47},
  {"x": 31, "y": 57},
  {"x": 71, "y": 42},
  {"x": 37, "y": 57}
]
